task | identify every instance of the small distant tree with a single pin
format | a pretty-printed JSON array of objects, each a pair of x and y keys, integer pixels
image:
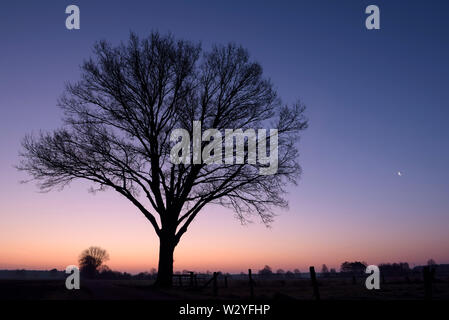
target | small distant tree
[
  {"x": 280, "y": 271},
  {"x": 333, "y": 271},
  {"x": 266, "y": 271},
  {"x": 143, "y": 276},
  {"x": 104, "y": 268},
  {"x": 104, "y": 272},
  {"x": 431, "y": 262},
  {"x": 289, "y": 275},
  {"x": 91, "y": 260},
  {"x": 297, "y": 271},
  {"x": 401, "y": 268},
  {"x": 53, "y": 272},
  {"x": 355, "y": 267},
  {"x": 324, "y": 269}
]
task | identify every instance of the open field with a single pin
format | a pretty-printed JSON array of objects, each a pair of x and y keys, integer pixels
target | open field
[{"x": 301, "y": 289}]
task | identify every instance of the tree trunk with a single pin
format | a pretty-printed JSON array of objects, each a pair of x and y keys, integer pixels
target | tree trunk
[{"x": 165, "y": 268}]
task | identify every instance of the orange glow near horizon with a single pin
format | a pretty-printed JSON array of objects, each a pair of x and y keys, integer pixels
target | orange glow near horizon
[{"x": 52, "y": 236}]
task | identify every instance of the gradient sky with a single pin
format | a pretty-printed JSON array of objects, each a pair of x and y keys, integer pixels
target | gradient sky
[{"x": 377, "y": 103}]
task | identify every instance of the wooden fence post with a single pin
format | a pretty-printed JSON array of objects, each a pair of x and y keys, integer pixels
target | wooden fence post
[
  {"x": 316, "y": 292},
  {"x": 215, "y": 287},
  {"x": 251, "y": 284},
  {"x": 428, "y": 279}
]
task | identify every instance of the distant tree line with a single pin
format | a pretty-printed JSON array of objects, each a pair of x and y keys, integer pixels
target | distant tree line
[
  {"x": 354, "y": 268},
  {"x": 92, "y": 265}
]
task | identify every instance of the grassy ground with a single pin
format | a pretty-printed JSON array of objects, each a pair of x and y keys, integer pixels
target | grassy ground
[{"x": 330, "y": 289}]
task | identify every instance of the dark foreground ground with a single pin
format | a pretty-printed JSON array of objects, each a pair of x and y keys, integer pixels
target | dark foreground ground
[{"x": 330, "y": 289}]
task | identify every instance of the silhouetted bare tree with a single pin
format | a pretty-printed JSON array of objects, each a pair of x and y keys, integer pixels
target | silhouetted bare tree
[
  {"x": 92, "y": 259},
  {"x": 118, "y": 123}
]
